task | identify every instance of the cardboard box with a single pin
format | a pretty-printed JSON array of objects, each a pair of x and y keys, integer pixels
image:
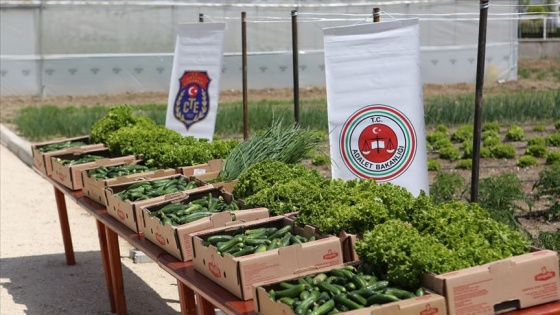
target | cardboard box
[
  {"x": 42, "y": 160},
  {"x": 429, "y": 304},
  {"x": 71, "y": 175},
  {"x": 95, "y": 188},
  {"x": 213, "y": 167},
  {"x": 207, "y": 173},
  {"x": 128, "y": 212},
  {"x": 513, "y": 283},
  {"x": 238, "y": 274},
  {"x": 176, "y": 240},
  {"x": 347, "y": 241}
]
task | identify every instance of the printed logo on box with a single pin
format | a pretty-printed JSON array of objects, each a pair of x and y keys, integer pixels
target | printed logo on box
[
  {"x": 120, "y": 213},
  {"x": 191, "y": 102},
  {"x": 545, "y": 275},
  {"x": 330, "y": 255},
  {"x": 160, "y": 239},
  {"x": 378, "y": 142},
  {"x": 61, "y": 176},
  {"x": 213, "y": 268},
  {"x": 429, "y": 310}
]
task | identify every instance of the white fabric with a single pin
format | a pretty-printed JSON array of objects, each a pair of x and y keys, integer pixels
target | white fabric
[
  {"x": 198, "y": 54},
  {"x": 374, "y": 99}
]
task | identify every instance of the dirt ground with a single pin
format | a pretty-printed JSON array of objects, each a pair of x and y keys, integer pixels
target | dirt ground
[{"x": 535, "y": 82}]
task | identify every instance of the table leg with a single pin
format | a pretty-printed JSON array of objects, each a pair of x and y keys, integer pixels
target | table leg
[
  {"x": 186, "y": 299},
  {"x": 64, "y": 226},
  {"x": 106, "y": 265},
  {"x": 116, "y": 270},
  {"x": 204, "y": 307}
]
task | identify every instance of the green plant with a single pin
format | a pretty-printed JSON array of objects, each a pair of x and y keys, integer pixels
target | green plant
[
  {"x": 468, "y": 229},
  {"x": 465, "y": 164},
  {"x": 537, "y": 150},
  {"x": 547, "y": 187},
  {"x": 503, "y": 151},
  {"x": 442, "y": 143},
  {"x": 557, "y": 125},
  {"x": 537, "y": 141},
  {"x": 553, "y": 140},
  {"x": 284, "y": 143},
  {"x": 541, "y": 75},
  {"x": 526, "y": 161},
  {"x": 449, "y": 153},
  {"x": 524, "y": 73},
  {"x": 553, "y": 157},
  {"x": 399, "y": 253},
  {"x": 321, "y": 159},
  {"x": 518, "y": 107},
  {"x": 491, "y": 126},
  {"x": 464, "y": 132},
  {"x": 119, "y": 116},
  {"x": 539, "y": 128},
  {"x": 548, "y": 240},
  {"x": 491, "y": 142},
  {"x": 468, "y": 151},
  {"x": 501, "y": 196},
  {"x": 435, "y": 136},
  {"x": 442, "y": 128},
  {"x": 515, "y": 133},
  {"x": 489, "y": 134},
  {"x": 433, "y": 165},
  {"x": 447, "y": 187}
]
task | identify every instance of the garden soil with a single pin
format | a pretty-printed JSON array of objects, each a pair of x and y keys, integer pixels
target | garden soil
[{"x": 34, "y": 276}]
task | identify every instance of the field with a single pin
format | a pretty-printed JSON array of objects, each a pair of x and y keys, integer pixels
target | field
[{"x": 535, "y": 75}]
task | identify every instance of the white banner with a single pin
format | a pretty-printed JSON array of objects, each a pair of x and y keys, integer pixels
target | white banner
[
  {"x": 375, "y": 110},
  {"x": 195, "y": 79}
]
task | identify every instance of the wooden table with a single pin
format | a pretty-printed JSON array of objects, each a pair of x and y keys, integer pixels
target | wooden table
[{"x": 191, "y": 284}]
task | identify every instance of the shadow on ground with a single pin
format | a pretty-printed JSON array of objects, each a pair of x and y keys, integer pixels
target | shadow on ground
[{"x": 45, "y": 285}]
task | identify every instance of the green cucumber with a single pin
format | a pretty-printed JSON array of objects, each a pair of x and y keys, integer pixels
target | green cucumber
[
  {"x": 344, "y": 300},
  {"x": 380, "y": 298},
  {"x": 229, "y": 244},
  {"x": 306, "y": 304},
  {"x": 324, "y": 308},
  {"x": 400, "y": 293},
  {"x": 214, "y": 239},
  {"x": 292, "y": 292}
]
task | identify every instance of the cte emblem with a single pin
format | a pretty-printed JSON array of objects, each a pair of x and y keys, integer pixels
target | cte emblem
[
  {"x": 191, "y": 102},
  {"x": 378, "y": 142}
]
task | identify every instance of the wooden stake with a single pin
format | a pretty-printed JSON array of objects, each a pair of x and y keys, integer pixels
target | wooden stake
[
  {"x": 295, "y": 65},
  {"x": 478, "y": 98},
  {"x": 244, "y": 66}
]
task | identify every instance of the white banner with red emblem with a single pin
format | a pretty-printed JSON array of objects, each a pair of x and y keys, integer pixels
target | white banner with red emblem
[
  {"x": 195, "y": 79},
  {"x": 375, "y": 109}
]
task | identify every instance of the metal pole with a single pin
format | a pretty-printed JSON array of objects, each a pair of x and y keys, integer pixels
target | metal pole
[
  {"x": 544, "y": 27},
  {"x": 201, "y": 17},
  {"x": 484, "y": 4},
  {"x": 41, "y": 51},
  {"x": 295, "y": 65},
  {"x": 376, "y": 15},
  {"x": 244, "y": 66}
]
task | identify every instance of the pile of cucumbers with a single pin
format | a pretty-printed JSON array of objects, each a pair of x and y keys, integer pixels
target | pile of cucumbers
[
  {"x": 150, "y": 189},
  {"x": 61, "y": 145},
  {"x": 105, "y": 172},
  {"x": 255, "y": 240},
  {"x": 86, "y": 158},
  {"x": 338, "y": 290},
  {"x": 181, "y": 213}
]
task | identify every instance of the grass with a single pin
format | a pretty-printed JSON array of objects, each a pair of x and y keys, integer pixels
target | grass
[{"x": 47, "y": 122}]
